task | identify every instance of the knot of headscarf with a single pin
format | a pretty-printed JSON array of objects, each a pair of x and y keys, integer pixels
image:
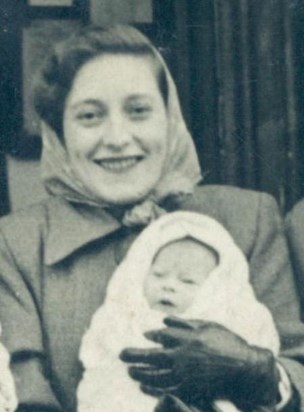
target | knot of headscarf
[
  {"x": 142, "y": 214},
  {"x": 180, "y": 175}
]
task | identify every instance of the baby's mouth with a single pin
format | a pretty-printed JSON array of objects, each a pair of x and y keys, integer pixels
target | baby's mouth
[
  {"x": 166, "y": 302},
  {"x": 166, "y": 306},
  {"x": 118, "y": 164}
]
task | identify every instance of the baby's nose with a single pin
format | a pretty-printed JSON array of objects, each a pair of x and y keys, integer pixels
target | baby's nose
[{"x": 169, "y": 287}]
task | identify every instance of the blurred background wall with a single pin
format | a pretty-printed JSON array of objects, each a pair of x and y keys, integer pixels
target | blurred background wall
[{"x": 238, "y": 66}]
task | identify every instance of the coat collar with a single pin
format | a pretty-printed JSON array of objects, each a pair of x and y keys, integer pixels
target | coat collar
[{"x": 71, "y": 226}]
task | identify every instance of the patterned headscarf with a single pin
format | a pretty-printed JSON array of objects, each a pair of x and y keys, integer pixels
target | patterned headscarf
[{"x": 181, "y": 171}]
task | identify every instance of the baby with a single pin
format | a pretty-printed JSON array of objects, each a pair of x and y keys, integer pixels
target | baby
[
  {"x": 183, "y": 264},
  {"x": 176, "y": 275}
]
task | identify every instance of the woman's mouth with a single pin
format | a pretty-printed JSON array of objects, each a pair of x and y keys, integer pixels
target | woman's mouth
[{"x": 120, "y": 164}]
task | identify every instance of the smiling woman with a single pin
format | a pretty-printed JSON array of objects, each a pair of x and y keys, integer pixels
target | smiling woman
[
  {"x": 116, "y": 156},
  {"x": 115, "y": 128}
]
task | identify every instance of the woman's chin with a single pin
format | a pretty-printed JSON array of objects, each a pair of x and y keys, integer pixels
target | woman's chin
[
  {"x": 121, "y": 195},
  {"x": 127, "y": 188}
]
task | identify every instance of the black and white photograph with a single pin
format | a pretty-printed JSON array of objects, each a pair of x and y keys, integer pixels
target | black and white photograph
[{"x": 152, "y": 206}]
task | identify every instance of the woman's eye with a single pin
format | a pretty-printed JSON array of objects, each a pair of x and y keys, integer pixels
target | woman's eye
[
  {"x": 139, "y": 112},
  {"x": 89, "y": 117},
  {"x": 158, "y": 274}
]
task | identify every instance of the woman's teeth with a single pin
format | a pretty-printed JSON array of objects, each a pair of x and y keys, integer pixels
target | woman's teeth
[{"x": 118, "y": 165}]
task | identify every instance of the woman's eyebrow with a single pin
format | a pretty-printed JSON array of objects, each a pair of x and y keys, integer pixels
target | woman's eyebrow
[
  {"x": 80, "y": 103},
  {"x": 139, "y": 96}
]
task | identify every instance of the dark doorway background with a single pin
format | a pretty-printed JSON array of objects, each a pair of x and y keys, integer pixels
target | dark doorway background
[
  {"x": 238, "y": 66},
  {"x": 239, "y": 69}
]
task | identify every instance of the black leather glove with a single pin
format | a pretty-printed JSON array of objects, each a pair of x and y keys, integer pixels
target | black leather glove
[
  {"x": 204, "y": 360},
  {"x": 170, "y": 403}
]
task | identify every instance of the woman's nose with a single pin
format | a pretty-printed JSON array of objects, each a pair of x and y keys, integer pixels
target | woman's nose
[{"x": 115, "y": 134}]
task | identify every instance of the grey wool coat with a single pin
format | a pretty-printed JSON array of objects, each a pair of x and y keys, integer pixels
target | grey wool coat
[
  {"x": 294, "y": 224},
  {"x": 57, "y": 258}
]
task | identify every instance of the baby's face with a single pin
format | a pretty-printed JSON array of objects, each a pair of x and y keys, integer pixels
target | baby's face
[{"x": 178, "y": 271}]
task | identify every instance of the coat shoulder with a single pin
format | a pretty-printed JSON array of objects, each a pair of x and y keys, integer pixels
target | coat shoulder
[
  {"x": 231, "y": 201},
  {"x": 25, "y": 230},
  {"x": 240, "y": 211},
  {"x": 25, "y": 221}
]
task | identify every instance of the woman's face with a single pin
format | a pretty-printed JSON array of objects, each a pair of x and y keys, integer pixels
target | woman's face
[{"x": 115, "y": 128}]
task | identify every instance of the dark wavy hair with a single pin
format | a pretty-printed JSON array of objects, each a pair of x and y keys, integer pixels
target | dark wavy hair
[{"x": 57, "y": 74}]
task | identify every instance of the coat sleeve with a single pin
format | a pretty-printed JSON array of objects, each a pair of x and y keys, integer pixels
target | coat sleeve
[
  {"x": 22, "y": 335},
  {"x": 273, "y": 281}
]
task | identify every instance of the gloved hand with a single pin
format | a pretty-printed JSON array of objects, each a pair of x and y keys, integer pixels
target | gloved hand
[
  {"x": 169, "y": 403},
  {"x": 202, "y": 360}
]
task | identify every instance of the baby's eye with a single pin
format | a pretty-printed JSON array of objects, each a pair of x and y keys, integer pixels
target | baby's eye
[
  {"x": 188, "y": 281},
  {"x": 158, "y": 274}
]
